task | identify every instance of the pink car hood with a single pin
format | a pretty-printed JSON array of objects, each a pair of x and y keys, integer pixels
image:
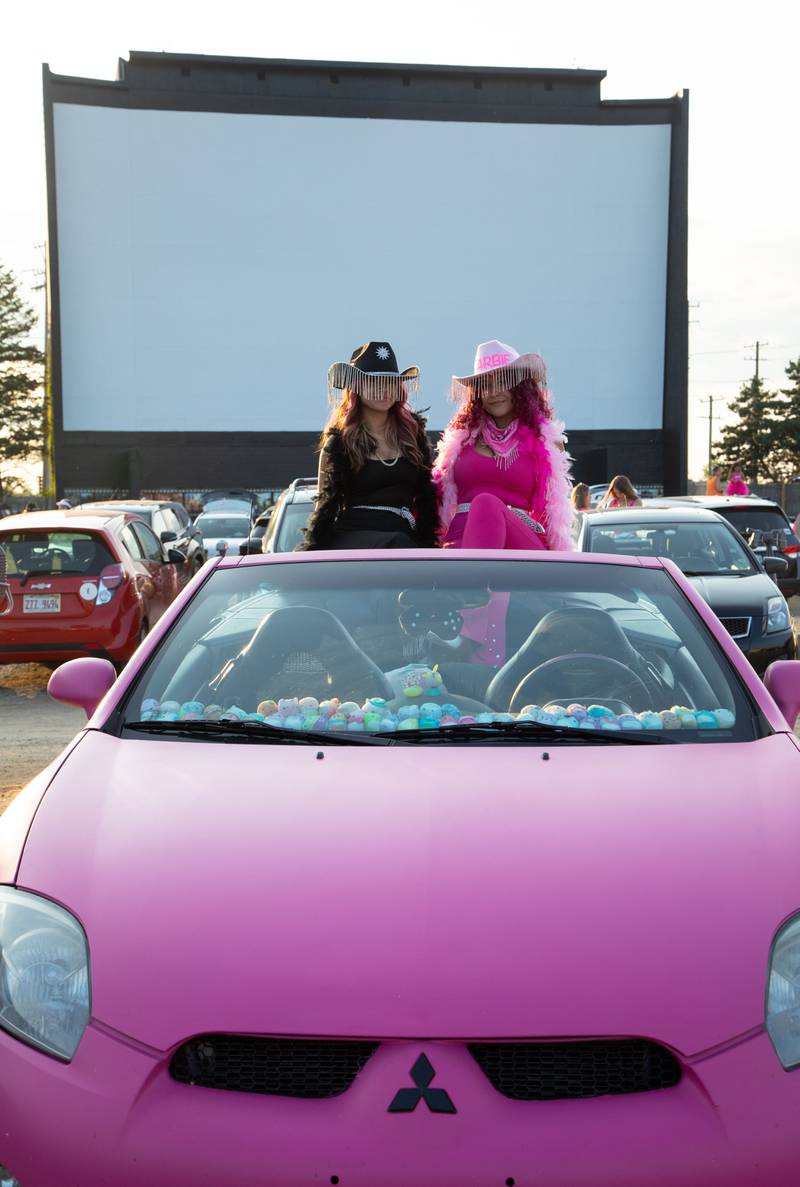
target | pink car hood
[{"x": 424, "y": 891}]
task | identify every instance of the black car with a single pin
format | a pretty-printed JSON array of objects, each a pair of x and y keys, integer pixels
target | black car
[
  {"x": 257, "y": 532},
  {"x": 735, "y": 582},
  {"x": 764, "y": 525},
  {"x": 170, "y": 521}
]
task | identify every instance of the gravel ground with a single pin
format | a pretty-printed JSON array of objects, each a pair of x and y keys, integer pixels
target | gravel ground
[{"x": 34, "y": 729}]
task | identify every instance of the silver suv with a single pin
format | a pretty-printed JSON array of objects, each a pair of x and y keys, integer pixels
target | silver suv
[{"x": 288, "y": 520}]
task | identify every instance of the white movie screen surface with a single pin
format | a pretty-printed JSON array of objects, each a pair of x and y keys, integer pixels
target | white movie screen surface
[{"x": 212, "y": 266}]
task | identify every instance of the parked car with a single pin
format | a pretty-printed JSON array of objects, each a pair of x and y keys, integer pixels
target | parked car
[
  {"x": 290, "y": 516},
  {"x": 240, "y": 501},
  {"x": 763, "y": 524},
  {"x": 223, "y": 531},
  {"x": 257, "y": 532},
  {"x": 289, "y": 911},
  {"x": 722, "y": 568},
  {"x": 82, "y": 583},
  {"x": 170, "y": 521}
]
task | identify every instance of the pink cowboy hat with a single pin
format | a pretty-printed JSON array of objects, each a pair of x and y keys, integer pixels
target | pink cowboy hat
[{"x": 498, "y": 365}]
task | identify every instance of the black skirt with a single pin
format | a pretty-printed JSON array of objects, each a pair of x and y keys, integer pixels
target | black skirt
[{"x": 360, "y": 528}]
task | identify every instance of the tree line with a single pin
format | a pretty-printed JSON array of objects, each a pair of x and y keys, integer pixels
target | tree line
[
  {"x": 21, "y": 382},
  {"x": 765, "y": 438}
]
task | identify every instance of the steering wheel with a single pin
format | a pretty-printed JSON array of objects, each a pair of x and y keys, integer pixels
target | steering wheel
[
  {"x": 300, "y": 651},
  {"x": 621, "y": 676}
]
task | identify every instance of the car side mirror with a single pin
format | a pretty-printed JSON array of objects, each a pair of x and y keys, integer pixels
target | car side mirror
[
  {"x": 168, "y": 537},
  {"x": 776, "y": 566},
  {"x": 82, "y": 682},
  {"x": 174, "y": 557},
  {"x": 782, "y": 682}
]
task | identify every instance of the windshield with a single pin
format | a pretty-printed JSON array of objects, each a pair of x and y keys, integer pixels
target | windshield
[
  {"x": 753, "y": 521},
  {"x": 388, "y": 647},
  {"x": 290, "y": 531},
  {"x": 708, "y": 549},
  {"x": 55, "y": 552},
  {"x": 223, "y": 525}
]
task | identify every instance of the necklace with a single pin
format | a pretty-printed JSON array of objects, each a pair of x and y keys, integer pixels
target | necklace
[{"x": 383, "y": 461}]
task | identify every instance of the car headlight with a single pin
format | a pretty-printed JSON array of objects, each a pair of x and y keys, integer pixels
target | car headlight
[
  {"x": 783, "y": 994},
  {"x": 44, "y": 973},
  {"x": 777, "y": 614}
]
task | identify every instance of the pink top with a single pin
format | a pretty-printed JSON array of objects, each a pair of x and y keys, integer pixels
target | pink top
[
  {"x": 737, "y": 486},
  {"x": 517, "y": 485}
]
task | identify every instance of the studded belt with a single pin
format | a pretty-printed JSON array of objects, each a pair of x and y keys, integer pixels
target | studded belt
[
  {"x": 405, "y": 512},
  {"x": 532, "y": 523}
]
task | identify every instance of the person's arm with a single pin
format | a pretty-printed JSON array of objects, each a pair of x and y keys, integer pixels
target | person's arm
[
  {"x": 426, "y": 499},
  {"x": 319, "y": 531}
]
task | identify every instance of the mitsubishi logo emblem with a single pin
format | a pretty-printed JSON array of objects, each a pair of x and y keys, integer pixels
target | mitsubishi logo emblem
[{"x": 436, "y": 1099}]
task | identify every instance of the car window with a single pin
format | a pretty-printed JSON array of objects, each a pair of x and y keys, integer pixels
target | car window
[
  {"x": 706, "y": 548},
  {"x": 382, "y": 646},
  {"x": 131, "y": 542},
  {"x": 291, "y": 527},
  {"x": 176, "y": 521},
  {"x": 151, "y": 547},
  {"x": 55, "y": 552},
  {"x": 759, "y": 519},
  {"x": 275, "y": 518},
  {"x": 170, "y": 521},
  {"x": 223, "y": 525}
]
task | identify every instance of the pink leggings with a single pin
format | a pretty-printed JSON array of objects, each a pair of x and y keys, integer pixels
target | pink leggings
[{"x": 490, "y": 524}]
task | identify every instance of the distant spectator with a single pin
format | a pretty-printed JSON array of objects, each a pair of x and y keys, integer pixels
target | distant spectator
[
  {"x": 714, "y": 482},
  {"x": 581, "y": 497},
  {"x": 31, "y": 507},
  {"x": 620, "y": 493},
  {"x": 736, "y": 483},
  {"x": 64, "y": 505}
]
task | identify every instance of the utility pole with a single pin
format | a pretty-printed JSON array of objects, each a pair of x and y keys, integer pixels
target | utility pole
[
  {"x": 757, "y": 346},
  {"x": 711, "y": 418}
]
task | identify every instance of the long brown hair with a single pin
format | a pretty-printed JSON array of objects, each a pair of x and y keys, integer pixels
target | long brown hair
[
  {"x": 622, "y": 484},
  {"x": 358, "y": 442}
]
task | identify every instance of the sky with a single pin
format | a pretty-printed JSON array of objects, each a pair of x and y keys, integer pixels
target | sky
[{"x": 737, "y": 61}]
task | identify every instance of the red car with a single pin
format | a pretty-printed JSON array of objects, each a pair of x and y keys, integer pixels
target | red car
[{"x": 82, "y": 583}]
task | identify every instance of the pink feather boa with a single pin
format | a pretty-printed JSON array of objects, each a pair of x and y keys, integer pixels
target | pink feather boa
[{"x": 558, "y": 510}]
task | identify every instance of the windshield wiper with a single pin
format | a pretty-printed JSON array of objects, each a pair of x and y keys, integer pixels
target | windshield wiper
[
  {"x": 713, "y": 573},
  {"x": 253, "y": 731},
  {"x": 45, "y": 572},
  {"x": 524, "y": 730}
]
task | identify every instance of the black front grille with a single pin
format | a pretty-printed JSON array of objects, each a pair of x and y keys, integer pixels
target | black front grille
[
  {"x": 737, "y": 627},
  {"x": 311, "y": 1068},
  {"x": 574, "y": 1071}
]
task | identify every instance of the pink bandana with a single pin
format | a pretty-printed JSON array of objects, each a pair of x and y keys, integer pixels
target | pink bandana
[{"x": 504, "y": 443}]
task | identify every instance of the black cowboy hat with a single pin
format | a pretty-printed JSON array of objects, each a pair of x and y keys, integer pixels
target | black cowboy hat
[{"x": 373, "y": 370}]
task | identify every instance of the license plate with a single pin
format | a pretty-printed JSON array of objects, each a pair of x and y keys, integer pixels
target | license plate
[{"x": 41, "y": 604}]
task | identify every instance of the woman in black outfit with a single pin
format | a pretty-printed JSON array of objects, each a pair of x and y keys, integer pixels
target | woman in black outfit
[{"x": 375, "y": 485}]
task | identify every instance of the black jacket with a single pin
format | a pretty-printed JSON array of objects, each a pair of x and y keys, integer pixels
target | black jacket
[{"x": 335, "y": 492}]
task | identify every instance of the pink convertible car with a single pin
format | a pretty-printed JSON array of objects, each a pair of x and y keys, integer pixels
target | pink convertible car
[{"x": 410, "y": 869}]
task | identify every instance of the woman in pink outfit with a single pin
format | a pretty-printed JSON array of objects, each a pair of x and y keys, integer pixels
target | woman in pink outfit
[
  {"x": 503, "y": 475},
  {"x": 501, "y": 467},
  {"x": 736, "y": 483}
]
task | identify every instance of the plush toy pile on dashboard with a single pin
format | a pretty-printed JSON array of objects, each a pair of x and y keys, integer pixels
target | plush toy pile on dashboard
[{"x": 376, "y": 716}]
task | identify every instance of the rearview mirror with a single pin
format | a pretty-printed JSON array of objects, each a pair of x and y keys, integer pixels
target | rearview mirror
[
  {"x": 82, "y": 682},
  {"x": 776, "y": 566},
  {"x": 174, "y": 557},
  {"x": 782, "y": 682},
  {"x": 168, "y": 537}
]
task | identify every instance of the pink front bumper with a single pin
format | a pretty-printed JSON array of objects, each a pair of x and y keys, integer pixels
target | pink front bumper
[{"x": 114, "y": 1116}]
